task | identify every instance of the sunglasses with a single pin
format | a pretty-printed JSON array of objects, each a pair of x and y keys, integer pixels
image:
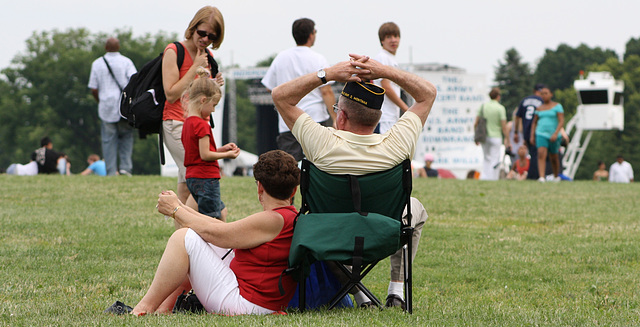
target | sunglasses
[{"x": 211, "y": 36}]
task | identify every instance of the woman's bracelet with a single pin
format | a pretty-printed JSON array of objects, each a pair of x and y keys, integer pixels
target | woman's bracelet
[{"x": 173, "y": 215}]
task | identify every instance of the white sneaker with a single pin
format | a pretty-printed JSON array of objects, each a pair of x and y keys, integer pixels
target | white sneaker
[
  {"x": 556, "y": 179},
  {"x": 541, "y": 180},
  {"x": 124, "y": 173}
]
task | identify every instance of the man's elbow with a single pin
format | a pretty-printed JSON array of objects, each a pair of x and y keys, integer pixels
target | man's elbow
[{"x": 278, "y": 96}]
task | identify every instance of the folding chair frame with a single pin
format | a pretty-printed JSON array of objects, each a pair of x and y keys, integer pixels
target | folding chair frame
[{"x": 359, "y": 271}]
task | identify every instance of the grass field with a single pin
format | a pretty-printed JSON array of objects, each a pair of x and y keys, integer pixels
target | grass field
[{"x": 492, "y": 254}]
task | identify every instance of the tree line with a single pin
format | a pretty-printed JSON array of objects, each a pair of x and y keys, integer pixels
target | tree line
[{"x": 44, "y": 93}]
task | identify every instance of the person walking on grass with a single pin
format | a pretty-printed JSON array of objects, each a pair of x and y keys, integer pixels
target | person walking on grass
[
  {"x": 546, "y": 130},
  {"x": 109, "y": 75},
  {"x": 496, "y": 116}
]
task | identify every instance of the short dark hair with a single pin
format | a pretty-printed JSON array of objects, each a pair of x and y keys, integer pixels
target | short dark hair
[
  {"x": 495, "y": 92},
  {"x": 278, "y": 173},
  {"x": 302, "y": 28},
  {"x": 45, "y": 141}
]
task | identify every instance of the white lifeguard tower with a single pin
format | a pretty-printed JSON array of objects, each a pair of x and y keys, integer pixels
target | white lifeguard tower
[{"x": 600, "y": 107}]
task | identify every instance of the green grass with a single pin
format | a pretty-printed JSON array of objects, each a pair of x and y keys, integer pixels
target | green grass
[{"x": 492, "y": 254}]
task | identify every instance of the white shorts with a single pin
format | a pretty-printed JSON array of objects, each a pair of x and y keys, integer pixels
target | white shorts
[
  {"x": 172, "y": 139},
  {"x": 212, "y": 280}
]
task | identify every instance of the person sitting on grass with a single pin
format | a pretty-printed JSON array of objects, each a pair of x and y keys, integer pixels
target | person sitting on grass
[
  {"x": 246, "y": 281},
  {"x": 520, "y": 168},
  {"x": 96, "y": 166}
]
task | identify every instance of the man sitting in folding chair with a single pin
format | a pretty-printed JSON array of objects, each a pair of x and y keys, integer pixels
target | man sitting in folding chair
[{"x": 353, "y": 148}]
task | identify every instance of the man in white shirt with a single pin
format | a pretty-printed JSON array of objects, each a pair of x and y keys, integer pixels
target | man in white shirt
[
  {"x": 389, "y": 35},
  {"x": 293, "y": 63},
  {"x": 109, "y": 75},
  {"x": 621, "y": 171}
]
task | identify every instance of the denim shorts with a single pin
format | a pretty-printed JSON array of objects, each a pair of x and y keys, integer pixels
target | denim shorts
[{"x": 206, "y": 192}]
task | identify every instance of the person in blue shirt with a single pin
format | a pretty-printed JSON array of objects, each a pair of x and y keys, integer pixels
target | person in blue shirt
[
  {"x": 546, "y": 133},
  {"x": 96, "y": 166}
]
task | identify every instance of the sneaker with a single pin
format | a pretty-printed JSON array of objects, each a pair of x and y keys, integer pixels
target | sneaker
[
  {"x": 118, "y": 308},
  {"x": 556, "y": 179},
  {"x": 124, "y": 172},
  {"x": 541, "y": 180},
  {"x": 395, "y": 301}
]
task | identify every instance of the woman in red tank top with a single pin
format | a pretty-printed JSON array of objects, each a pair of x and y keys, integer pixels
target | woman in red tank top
[{"x": 248, "y": 283}]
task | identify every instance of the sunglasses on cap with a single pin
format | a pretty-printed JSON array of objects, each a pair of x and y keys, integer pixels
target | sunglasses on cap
[{"x": 211, "y": 36}]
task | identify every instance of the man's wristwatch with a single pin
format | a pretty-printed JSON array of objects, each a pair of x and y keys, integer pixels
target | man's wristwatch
[{"x": 322, "y": 76}]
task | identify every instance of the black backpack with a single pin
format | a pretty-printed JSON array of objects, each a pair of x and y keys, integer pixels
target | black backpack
[{"x": 142, "y": 100}]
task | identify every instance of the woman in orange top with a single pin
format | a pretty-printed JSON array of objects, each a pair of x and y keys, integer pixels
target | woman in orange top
[{"x": 205, "y": 29}]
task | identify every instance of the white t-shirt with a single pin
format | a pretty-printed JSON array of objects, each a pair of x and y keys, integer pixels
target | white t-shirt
[
  {"x": 293, "y": 63},
  {"x": 108, "y": 90},
  {"x": 390, "y": 111},
  {"x": 620, "y": 172}
]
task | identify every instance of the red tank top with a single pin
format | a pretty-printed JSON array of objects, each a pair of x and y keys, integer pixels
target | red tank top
[
  {"x": 521, "y": 169},
  {"x": 174, "y": 111},
  {"x": 258, "y": 270}
]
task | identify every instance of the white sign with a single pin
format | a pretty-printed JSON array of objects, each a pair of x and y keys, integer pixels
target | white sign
[{"x": 448, "y": 132}]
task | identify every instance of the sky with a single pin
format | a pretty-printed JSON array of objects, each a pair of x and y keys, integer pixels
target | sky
[{"x": 473, "y": 35}]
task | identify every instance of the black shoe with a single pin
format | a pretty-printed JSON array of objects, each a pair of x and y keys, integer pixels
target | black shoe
[
  {"x": 395, "y": 301},
  {"x": 118, "y": 308}
]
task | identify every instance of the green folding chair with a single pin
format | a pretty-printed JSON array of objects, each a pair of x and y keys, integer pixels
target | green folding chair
[{"x": 355, "y": 221}]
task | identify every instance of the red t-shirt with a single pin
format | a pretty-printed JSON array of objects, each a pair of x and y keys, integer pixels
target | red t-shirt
[
  {"x": 193, "y": 130},
  {"x": 521, "y": 169},
  {"x": 258, "y": 270}
]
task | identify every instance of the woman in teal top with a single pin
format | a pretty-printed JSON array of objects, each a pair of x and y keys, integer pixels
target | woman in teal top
[{"x": 545, "y": 129}]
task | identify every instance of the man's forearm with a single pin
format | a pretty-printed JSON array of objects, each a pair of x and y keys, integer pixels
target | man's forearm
[
  {"x": 422, "y": 91},
  {"x": 287, "y": 95}
]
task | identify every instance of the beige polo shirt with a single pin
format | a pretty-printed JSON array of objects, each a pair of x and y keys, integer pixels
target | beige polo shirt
[{"x": 342, "y": 152}]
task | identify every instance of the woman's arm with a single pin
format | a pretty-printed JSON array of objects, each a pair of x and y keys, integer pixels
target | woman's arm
[
  {"x": 173, "y": 85},
  {"x": 245, "y": 233},
  {"x": 554, "y": 136}
]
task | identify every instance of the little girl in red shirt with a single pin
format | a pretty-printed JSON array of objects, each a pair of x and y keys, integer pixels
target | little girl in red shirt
[{"x": 200, "y": 152}]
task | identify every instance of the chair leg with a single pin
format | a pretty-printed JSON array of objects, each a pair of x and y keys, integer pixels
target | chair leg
[
  {"x": 408, "y": 275},
  {"x": 302, "y": 297}
]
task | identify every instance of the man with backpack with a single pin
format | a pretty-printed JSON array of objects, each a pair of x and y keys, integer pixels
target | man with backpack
[{"x": 109, "y": 75}]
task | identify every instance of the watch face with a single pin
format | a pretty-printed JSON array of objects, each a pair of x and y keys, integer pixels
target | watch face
[{"x": 321, "y": 73}]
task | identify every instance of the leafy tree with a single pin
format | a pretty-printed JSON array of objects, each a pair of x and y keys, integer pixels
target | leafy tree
[
  {"x": 632, "y": 48},
  {"x": 45, "y": 94},
  {"x": 559, "y": 68},
  {"x": 266, "y": 62},
  {"x": 514, "y": 79}
]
